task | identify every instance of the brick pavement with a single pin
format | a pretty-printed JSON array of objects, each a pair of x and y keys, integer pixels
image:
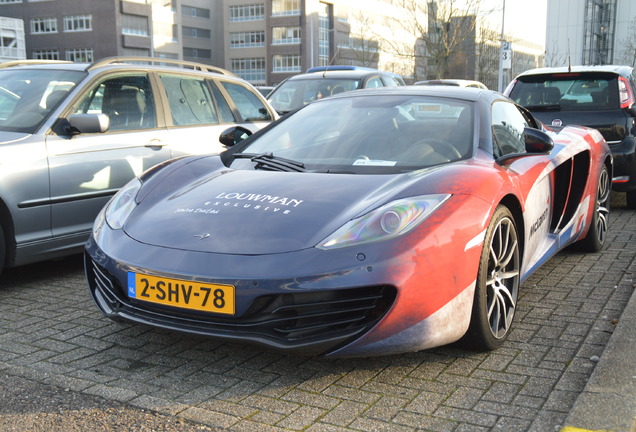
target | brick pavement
[{"x": 50, "y": 332}]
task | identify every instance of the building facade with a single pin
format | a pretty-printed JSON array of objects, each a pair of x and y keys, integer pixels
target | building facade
[
  {"x": 588, "y": 32},
  {"x": 263, "y": 41},
  {"x": 82, "y": 31},
  {"x": 12, "y": 44}
]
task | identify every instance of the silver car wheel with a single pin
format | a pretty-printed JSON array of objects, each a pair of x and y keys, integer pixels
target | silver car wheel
[{"x": 502, "y": 283}]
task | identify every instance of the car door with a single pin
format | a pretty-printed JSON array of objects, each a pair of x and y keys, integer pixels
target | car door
[
  {"x": 86, "y": 169},
  {"x": 507, "y": 124}
]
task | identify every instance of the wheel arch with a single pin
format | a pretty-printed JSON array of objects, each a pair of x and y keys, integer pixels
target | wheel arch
[
  {"x": 514, "y": 205},
  {"x": 6, "y": 224}
]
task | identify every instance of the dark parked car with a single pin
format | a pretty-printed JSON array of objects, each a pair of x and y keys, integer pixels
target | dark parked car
[
  {"x": 322, "y": 81},
  {"x": 601, "y": 97},
  {"x": 371, "y": 222}
]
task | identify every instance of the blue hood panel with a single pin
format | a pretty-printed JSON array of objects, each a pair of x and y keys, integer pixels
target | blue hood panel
[{"x": 256, "y": 212}]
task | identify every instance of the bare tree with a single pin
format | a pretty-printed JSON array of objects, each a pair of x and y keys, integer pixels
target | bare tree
[
  {"x": 554, "y": 58},
  {"x": 441, "y": 28},
  {"x": 487, "y": 64},
  {"x": 628, "y": 56},
  {"x": 363, "y": 43}
]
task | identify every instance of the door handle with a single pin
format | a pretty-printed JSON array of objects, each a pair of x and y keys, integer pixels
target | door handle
[{"x": 155, "y": 144}]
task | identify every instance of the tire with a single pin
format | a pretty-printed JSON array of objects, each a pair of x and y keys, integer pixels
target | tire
[
  {"x": 497, "y": 287},
  {"x": 3, "y": 249},
  {"x": 631, "y": 199},
  {"x": 595, "y": 238}
]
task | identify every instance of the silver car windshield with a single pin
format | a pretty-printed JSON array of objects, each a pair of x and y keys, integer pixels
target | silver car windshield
[
  {"x": 385, "y": 133},
  {"x": 27, "y": 97}
]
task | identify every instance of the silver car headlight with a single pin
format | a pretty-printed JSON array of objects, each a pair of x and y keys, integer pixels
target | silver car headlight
[
  {"x": 122, "y": 204},
  {"x": 391, "y": 220}
]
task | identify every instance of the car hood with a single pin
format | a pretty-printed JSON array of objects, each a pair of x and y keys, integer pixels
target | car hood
[
  {"x": 259, "y": 212},
  {"x": 12, "y": 137}
]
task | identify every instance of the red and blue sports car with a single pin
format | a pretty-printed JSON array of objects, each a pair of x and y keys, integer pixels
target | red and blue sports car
[{"x": 372, "y": 222}]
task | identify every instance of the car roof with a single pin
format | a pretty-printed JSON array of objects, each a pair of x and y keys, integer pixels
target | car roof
[
  {"x": 351, "y": 74},
  {"x": 118, "y": 63},
  {"x": 449, "y": 81},
  {"x": 465, "y": 93},
  {"x": 617, "y": 69}
]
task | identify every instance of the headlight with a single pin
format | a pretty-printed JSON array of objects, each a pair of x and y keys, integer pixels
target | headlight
[
  {"x": 389, "y": 221},
  {"x": 122, "y": 204}
]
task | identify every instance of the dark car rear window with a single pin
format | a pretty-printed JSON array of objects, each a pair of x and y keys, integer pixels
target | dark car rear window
[{"x": 567, "y": 92}]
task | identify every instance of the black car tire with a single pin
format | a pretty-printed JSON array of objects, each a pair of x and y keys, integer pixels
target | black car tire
[
  {"x": 3, "y": 249},
  {"x": 497, "y": 287},
  {"x": 595, "y": 238},
  {"x": 631, "y": 199}
]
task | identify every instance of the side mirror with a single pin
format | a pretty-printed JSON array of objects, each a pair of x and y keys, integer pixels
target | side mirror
[
  {"x": 537, "y": 141},
  {"x": 88, "y": 123},
  {"x": 234, "y": 135}
]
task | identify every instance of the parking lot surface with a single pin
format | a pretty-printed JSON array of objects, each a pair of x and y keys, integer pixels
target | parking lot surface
[{"x": 65, "y": 367}]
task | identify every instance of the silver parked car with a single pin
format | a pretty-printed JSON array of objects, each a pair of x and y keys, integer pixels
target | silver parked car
[{"x": 72, "y": 134}]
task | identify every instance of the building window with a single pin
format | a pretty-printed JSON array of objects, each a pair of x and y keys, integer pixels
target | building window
[
  {"x": 247, "y": 39},
  {"x": 134, "y": 25},
  {"x": 285, "y": 7},
  {"x": 84, "y": 55},
  {"x": 250, "y": 69},
  {"x": 136, "y": 52},
  {"x": 197, "y": 53},
  {"x": 286, "y": 63},
  {"x": 46, "y": 54},
  {"x": 43, "y": 25},
  {"x": 195, "y": 12},
  {"x": 78, "y": 23},
  {"x": 194, "y": 32},
  {"x": 254, "y": 12},
  {"x": 285, "y": 35},
  {"x": 324, "y": 34}
]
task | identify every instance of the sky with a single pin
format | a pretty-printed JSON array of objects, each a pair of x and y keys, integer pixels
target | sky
[{"x": 526, "y": 18}]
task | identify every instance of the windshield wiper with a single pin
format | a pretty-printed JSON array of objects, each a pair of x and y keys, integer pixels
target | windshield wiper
[{"x": 269, "y": 162}]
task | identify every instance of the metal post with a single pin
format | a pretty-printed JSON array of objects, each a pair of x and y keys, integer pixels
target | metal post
[{"x": 501, "y": 48}]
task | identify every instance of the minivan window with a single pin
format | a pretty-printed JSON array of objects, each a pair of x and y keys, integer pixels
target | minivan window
[
  {"x": 126, "y": 99},
  {"x": 190, "y": 100},
  {"x": 249, "y": 105},
  {"x": 27, "y": 97},
  {"x": 567, "y": 92}
]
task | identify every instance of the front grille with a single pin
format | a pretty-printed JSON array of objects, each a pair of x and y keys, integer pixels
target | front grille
[{"x": 325, "y": 318}]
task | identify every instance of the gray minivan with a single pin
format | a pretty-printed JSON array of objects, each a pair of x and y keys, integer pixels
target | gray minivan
[{"x": 73, "y": 134}]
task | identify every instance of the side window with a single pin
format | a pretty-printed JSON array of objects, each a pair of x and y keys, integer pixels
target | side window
[
  {"x": 224, "y": 109},
  {"x": 375, "y": 82},
  {"x": 390, "y": 81},
  {"x": 247, "y": 102},
  {"x": 507, "y": 129},
  {"x": 190, "y": 100},
  {"x": 127, "y": 100}
]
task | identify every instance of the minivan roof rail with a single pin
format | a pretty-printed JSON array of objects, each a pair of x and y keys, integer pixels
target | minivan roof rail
[
  {"x": 159, "y": 61},
  {"x": 26, "y": 62}
]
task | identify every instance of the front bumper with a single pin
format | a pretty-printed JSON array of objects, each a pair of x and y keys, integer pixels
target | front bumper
[{"x": 281, "y": 313}]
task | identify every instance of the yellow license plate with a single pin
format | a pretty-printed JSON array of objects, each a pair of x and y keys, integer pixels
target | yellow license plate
[{"x": 181, "y": 293}]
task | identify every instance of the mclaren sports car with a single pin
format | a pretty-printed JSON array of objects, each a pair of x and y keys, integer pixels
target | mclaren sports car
[{"x": 368, "y": 223}]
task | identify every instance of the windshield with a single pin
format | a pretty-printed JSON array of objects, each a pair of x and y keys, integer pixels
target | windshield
[
  {"x": 294, "y": 94},
  {"x": 28, "y": 96},
  {"x": 365, "y": 134},
  {"x": 567, "y": 92}
]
